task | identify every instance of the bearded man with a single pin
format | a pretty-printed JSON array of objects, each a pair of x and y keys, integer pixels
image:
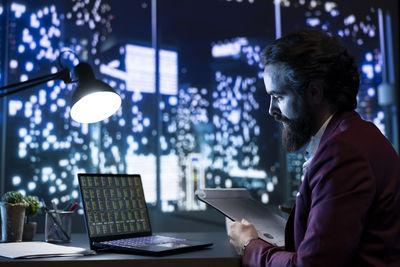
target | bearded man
[{"x": 347, "y": 212}]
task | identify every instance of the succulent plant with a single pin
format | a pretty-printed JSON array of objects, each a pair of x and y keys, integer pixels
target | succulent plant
[
  {"x": 13, "y": 197},
  {"x": 33, "y": 207}
]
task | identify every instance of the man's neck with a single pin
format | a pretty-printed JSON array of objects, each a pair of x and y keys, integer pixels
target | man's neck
[{"x": 321, "y": 114}]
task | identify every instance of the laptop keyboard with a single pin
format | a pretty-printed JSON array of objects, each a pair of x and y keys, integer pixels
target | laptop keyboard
[{"x": 142, "y": 241}]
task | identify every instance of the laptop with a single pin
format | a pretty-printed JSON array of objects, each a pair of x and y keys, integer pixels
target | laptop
[{"x": 117, "y": 218}]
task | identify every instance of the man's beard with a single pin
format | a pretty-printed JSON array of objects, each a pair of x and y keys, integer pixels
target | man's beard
[{"x": 297, "y": 132}]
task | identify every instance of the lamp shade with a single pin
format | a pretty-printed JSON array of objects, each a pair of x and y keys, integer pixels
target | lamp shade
[{"x": 93, "y": 100}]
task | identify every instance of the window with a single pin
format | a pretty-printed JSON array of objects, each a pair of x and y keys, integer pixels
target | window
[{"x": 209, "y": 113}]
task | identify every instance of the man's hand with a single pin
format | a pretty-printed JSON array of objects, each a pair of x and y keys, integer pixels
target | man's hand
[{"x": 240, "y": 233}]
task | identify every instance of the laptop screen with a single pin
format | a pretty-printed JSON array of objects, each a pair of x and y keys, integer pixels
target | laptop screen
[{"x": 113, "y": 204}]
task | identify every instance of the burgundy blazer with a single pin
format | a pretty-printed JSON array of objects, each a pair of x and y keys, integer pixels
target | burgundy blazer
[{"x": 347, "y": 212}]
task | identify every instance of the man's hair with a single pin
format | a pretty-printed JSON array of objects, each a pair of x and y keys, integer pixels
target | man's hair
[{"x": 312, "y": 55}]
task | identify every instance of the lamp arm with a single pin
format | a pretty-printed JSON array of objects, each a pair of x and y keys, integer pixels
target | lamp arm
[{"x": 63, "y": 75}]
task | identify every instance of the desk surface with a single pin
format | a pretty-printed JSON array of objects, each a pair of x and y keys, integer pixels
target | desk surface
[{"x": 220, "y": 254}]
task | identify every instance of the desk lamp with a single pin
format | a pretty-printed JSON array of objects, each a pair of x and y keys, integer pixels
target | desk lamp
[{"x": 92, "y": 101}]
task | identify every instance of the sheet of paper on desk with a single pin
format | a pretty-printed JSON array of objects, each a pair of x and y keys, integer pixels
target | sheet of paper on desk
[
  {"x": 29, "y": 250},
  {"x": 236, "y": 204}
]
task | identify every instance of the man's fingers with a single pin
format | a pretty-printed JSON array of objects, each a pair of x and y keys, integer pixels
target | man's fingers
[
  {"x": 245, "y": 222},
  {"x": 232, "y": 228}
]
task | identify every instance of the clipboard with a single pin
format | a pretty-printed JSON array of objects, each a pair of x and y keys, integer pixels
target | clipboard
[{"x": 236, "y": 204}]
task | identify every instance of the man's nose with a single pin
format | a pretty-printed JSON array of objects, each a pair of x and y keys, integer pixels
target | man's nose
[{"x": 273, "y": 109}]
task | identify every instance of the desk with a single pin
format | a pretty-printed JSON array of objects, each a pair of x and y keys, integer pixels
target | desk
[{"x": 220, "y": 254}]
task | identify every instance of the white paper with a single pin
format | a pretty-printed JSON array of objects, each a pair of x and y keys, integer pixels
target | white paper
[{"x": 38, "y": 249}]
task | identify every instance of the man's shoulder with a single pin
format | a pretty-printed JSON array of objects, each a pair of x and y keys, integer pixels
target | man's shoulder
[
  {"x": 348, "y": 128},
  {"x": 348, "y": 135}
]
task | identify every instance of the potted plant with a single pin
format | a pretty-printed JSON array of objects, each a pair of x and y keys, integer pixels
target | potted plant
[
  {"x": 13, "y": 207},
  {"x": 29, "y": 226}
]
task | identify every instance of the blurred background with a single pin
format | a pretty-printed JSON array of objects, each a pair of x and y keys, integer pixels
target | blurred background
[{"x": 194, "y": 110}]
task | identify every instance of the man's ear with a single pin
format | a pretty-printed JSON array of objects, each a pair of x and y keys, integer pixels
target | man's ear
[{"x": 315, "y": 92}]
